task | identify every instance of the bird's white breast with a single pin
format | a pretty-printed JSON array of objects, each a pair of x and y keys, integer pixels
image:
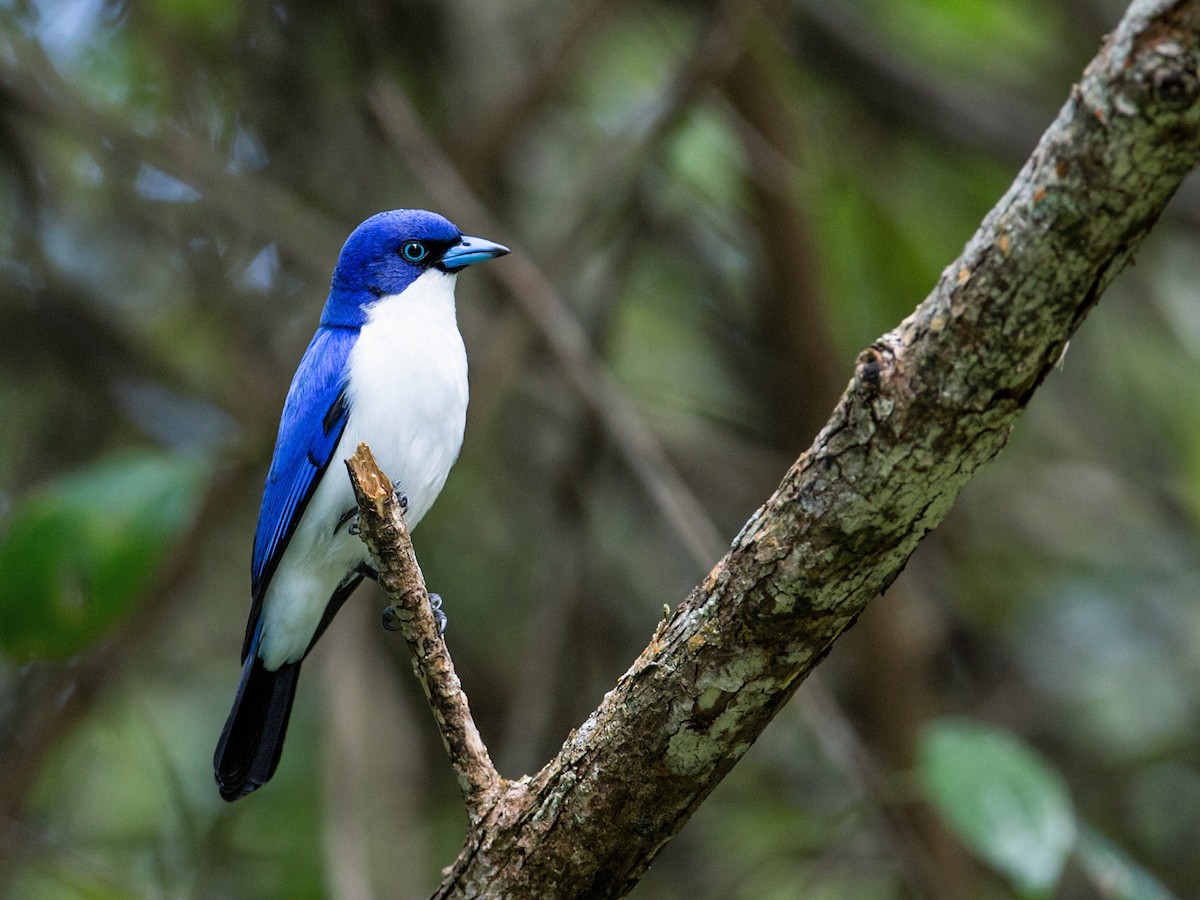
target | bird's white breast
[
  {"x": 408, "y": 389},
  {"x": 407, "y": 394}
]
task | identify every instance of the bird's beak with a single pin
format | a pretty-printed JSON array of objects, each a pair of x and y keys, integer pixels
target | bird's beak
[{"x": 470, "y": 250}]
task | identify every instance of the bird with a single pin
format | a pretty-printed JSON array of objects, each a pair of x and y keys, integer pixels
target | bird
[{"x": 387, "y": 366}]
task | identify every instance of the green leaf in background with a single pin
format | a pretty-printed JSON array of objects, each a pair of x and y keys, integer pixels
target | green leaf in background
[
  {"x": 1000, "y": 798},
  {"x": 77, "y": 552},
  {"x": 1116, "y": 875}
]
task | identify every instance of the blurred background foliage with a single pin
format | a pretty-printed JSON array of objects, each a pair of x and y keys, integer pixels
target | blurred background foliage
[{"x": 731, "y": 199}]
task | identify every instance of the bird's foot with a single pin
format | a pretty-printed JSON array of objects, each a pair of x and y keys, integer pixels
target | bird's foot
[
  {"x": 435, "y": 607},
  {"x": 350, "y": 517},
  {"x": 391, "y": 615}
]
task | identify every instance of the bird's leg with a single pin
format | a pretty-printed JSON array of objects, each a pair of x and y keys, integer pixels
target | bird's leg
[
  {"x": 365, "y": 569},
  {"x": 350, "y": 516},
  {"x": 391, "y": 620},
  {"x": 435, "y": 606}
]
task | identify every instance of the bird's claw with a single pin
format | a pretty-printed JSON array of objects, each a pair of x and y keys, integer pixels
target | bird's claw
[
  {"x": 435, "y": 607},
  {"x": 391, "y": 615},
  {"x": 350, "y": 519}
]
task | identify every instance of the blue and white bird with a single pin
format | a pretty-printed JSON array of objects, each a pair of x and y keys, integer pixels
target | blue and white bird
[{"x": 387, "y": 366}]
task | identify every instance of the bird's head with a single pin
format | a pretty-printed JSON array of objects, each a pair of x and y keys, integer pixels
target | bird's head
[{"x": 391, "y": 250}]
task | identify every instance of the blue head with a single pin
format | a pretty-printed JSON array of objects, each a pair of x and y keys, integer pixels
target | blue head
[{"x": 391, "y": 250}]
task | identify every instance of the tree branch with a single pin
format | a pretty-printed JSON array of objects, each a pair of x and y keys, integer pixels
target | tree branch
[
  {"x": 385, "y": 533},
  {"x": 930, "y": 403}
]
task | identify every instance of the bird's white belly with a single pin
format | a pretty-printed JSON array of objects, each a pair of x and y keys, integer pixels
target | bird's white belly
[{"x": 407, "y": 394}]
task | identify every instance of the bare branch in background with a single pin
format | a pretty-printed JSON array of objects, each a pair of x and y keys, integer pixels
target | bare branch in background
[
  {"x": 29, "y": 82},
  {"x": 483, "y": 148},
  {"x": 806, "y": 375},
  {"x": 715, "y": 50},
  {"x": 835, "y": 44}
]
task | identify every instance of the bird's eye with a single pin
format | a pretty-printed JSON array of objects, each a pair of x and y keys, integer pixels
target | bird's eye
[{"x": 414, "y": 251}]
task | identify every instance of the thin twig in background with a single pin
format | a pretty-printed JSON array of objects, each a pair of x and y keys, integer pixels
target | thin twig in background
[
  {"x": 530, "y": 724},
  {"x": 480, "y": 149},
  {"x": 28, "y": 81},
  {"x": 608, "y": 194},
  {"x": 835, "y": 44}
]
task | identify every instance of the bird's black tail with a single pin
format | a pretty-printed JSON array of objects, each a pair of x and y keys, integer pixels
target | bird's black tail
[{"x": 252, "y": 740}]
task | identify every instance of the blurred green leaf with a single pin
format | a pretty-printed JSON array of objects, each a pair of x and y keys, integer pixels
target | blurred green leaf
[
  {"x": 77, "y": 552},
  {"x": 1000, "y": 798},
  {"x": 1116, "y": 875}
]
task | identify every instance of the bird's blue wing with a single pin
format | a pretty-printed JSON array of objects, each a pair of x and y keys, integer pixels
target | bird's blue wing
[{"x": 314, "y": 417}]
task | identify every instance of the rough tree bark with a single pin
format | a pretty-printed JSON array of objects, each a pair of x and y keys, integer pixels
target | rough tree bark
[{"x": 930, "y": 402}]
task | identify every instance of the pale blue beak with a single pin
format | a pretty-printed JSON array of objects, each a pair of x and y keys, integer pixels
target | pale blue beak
[{"x": 468, "y": 251}]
